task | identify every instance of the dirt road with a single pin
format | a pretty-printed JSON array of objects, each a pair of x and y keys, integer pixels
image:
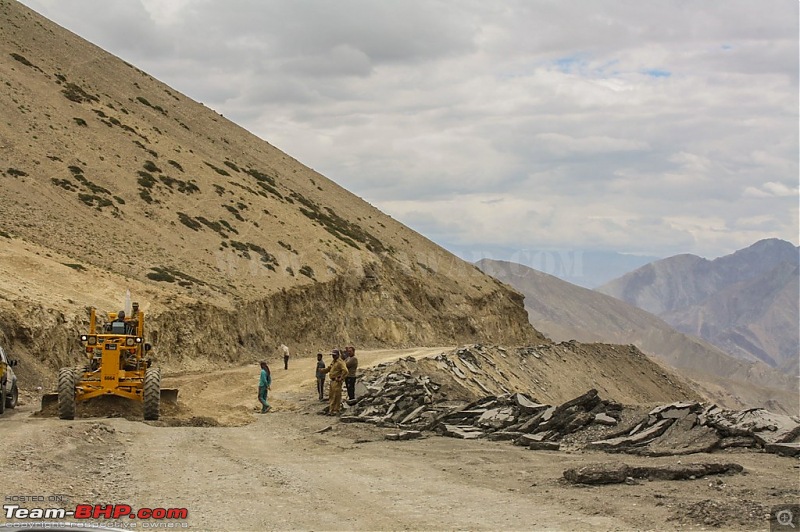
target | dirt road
[{"x": 295, "y": 469}]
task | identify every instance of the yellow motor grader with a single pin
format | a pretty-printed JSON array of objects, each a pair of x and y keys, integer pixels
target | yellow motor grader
[{"x": 117, "y": 364}]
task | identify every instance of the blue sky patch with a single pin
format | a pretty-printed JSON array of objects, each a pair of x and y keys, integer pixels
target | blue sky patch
[
  {"x": 658, "y": 73},
  {"x": 570, "y": 63}
]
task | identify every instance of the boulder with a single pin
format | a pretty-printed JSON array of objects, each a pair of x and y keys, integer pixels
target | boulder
[
  {"x": 361, "y": 389},
  {"x": 766, "y": 427},
  {"x": 784, "y": 449},
  {"x": 501, "y": 435},
  {"x": 684, "y": 471},
  {"x": 609, "y": 473},
  {"x": 410, "y": 435},
  {"x": 682, "y": 437},
  {"x": 736, "y": 441},
  {"x": 544, "y": 446},
  {"x": 604, "y": 419},
  {"x": 526, "y": 405},
  {"x": 616, "y": 473},
  {"x": 496, "y": 418},
  {"x": 531, "y": 424},
  {"x": 413, "y": 415},
  {"x": 672, "y": 409},
  {"x": 528, "y": 439},
  {"x": 465, "y": 432},
  {"x": 640, "y": 438}
]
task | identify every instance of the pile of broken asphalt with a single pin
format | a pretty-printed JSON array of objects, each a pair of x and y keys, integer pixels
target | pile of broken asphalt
[{"x": 391, "y": 396}]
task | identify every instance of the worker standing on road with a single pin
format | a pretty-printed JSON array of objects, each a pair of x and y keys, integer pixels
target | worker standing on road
[
  {"x": 320, "y": 377},
  {"x": 352, "y": 368},
  {"x": 263, "y": 387},
  {"x": 285, "y": 351},
  {"x": 337, "y": 371}
]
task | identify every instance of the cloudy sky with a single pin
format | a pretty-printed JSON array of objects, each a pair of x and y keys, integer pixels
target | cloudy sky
[{"x": 493, "y": 127}]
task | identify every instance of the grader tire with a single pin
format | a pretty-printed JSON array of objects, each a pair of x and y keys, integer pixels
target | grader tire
[
  {"x": 66, "y": 393},
  {"x": 13, "y": 399},
  {"x": 152, "y": 394}
]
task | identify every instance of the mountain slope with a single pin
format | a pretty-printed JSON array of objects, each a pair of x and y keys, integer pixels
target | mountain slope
[
  {"x": 112, "y": 180},
  {"x": 745, "y": 303},
  {"x": 754, "y": 319},
  {"x": 564, "y": 311}
]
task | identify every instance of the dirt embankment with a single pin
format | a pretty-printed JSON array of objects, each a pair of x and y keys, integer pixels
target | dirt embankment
[
  {"x": 554, "y": 373},
  {"x": 386, "y": 309},
  {"x": 383, "y": 306}
]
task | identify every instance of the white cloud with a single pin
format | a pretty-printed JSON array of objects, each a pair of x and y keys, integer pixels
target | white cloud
[
  {"x": 165, "y": 12},
  {"x": 560, "y": 144},
  {"x": 771, "y": 189},
  {"x": 654, "y": 127}
]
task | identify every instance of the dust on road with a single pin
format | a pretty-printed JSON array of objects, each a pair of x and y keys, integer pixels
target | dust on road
[{"x": 296, "y": 470}]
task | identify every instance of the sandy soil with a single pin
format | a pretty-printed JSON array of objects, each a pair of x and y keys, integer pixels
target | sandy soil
[{"x": 296, "y": 469}]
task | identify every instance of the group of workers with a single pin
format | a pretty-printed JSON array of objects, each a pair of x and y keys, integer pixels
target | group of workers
[{"x": 343, "y": 369}]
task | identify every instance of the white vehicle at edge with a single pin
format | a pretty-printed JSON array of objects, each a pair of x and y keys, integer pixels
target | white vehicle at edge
[{"x": 8, "y": 383}]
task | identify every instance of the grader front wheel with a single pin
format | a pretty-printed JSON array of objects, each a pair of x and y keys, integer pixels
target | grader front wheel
[
  {"x": 66, "y": 393},
  {"x": 152, "y": 394}
]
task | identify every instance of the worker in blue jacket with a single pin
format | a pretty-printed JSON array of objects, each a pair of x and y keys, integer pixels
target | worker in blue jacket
[{"x": 263, "y": 387}]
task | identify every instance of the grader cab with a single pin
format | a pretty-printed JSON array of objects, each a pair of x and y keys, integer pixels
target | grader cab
[{"x": 117, "y": 364}]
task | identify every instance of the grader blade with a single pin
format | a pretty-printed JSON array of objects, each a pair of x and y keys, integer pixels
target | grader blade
[
  {"x": 169, "y": 395},
  {"x": 49, "y": 399}
]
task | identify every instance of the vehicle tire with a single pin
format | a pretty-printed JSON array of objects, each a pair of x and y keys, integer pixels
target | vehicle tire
[
  {"x": 66, "y": 393},
  {"x": 11, "y": 400},
  {"x": 152, "y": 394},
  {"x": 2, "y": 398}
]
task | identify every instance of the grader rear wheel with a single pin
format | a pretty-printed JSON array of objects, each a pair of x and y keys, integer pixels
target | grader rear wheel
[
  {"x": 66, "y": 393},
  {"x": 152, "y": 394}
]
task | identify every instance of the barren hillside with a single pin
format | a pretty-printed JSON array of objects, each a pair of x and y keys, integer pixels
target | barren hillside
[{"x": 111, "y": 180}]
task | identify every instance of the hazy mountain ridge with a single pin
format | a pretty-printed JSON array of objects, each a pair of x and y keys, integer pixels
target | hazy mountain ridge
[
  {"x": 583, "y": 267},
  {"x": 746, "y": 303},
  {"x": 564, "y": 311}
]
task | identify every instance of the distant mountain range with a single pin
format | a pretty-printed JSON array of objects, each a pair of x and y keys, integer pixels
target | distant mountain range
[
  {"x": 582, "y": 267},
  {"x": 745, "y": 303},
  {"x": 564, "y": 311}
]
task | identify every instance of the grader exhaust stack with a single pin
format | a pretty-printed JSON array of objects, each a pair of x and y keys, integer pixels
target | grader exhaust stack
[{"x": 117, "y": 365}]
